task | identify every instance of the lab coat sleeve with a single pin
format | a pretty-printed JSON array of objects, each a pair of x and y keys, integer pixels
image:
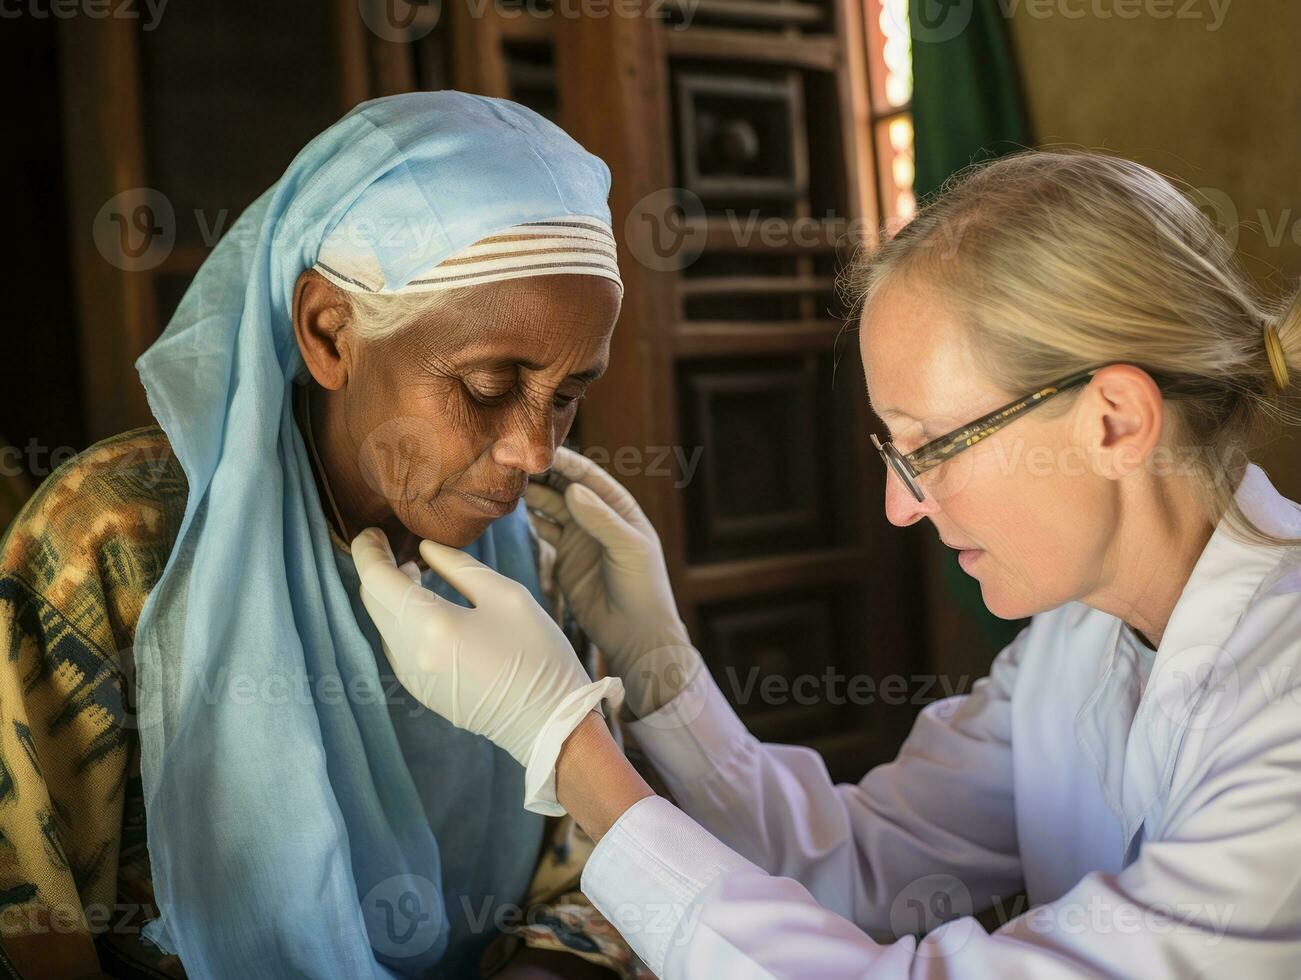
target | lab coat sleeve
[
  {"x": 1218, "y": 893},
  {"x": 941, "y": 811}
]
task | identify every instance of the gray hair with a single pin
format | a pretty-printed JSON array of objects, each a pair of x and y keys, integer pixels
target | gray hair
[{"x": 380, "y": 316}]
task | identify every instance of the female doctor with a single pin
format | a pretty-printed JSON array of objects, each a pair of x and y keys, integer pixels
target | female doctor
[{"x": 1070, "y": 366}]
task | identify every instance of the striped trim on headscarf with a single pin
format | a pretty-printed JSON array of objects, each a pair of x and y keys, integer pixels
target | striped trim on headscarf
[{"x": 572, "y": 245}]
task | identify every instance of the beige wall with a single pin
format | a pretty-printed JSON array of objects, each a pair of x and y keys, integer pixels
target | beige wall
[{"x": 1219, "y": 108}]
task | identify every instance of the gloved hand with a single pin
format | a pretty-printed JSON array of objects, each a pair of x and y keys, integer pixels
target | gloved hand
[
  {"x": 610, "y": 566},
  {"x": 502, "y": 669}
]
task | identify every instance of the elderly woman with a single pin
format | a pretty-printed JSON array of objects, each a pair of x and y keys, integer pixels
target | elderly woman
[{"x": 395, "y": 335}]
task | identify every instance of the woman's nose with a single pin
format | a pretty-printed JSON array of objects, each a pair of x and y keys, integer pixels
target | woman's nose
[
  {"x": 901, "y": 507},
  {"x": 528, "y": 444}
]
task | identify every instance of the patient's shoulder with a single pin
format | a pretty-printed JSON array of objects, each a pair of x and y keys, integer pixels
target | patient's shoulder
[{"x": 98, "y": 532}]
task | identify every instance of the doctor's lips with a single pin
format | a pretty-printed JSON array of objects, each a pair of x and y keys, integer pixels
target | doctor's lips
[{"x": 966, "y": 556}]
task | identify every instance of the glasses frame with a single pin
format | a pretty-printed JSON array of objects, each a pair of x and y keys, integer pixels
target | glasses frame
[{"x": 909, "y": 466}]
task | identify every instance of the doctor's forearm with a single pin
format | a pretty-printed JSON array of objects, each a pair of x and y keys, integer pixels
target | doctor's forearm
[{"x": 595, "y": 782}]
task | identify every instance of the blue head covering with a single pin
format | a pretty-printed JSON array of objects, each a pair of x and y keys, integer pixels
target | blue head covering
[{"x": 283, "y": 824}]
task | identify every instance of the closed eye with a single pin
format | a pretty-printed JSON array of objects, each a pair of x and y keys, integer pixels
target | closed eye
[
  {"x": 490, "y": 387},
  {"x": 491, "y": 398}
]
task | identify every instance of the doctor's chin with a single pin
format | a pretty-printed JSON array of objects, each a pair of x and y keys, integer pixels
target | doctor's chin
[{"x": 536, "y": 489}]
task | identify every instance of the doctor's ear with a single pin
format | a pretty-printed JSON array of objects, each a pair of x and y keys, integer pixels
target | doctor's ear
[
  {"x": 1119, "y": 419},
  {"x": 321, "y": 312}
]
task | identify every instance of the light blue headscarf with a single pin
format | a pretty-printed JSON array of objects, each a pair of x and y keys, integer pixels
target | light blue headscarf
[{"x": 283, "y": 824}]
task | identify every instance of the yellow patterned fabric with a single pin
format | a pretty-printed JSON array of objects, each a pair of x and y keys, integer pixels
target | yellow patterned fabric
[{"x": 76, "y": 567}]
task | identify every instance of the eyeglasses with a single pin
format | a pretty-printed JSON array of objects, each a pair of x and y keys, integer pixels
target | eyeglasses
[{"x": 908, "y": 467}]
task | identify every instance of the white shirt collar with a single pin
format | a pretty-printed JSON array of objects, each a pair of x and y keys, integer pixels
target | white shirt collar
[{"x": 1135, "y": 750}]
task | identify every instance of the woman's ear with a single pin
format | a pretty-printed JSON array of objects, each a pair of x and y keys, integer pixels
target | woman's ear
[
  {"x": 321, "y": 312},
  {"x": 1121, "y": 418}
]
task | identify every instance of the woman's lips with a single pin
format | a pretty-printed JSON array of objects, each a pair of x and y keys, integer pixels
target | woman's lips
[
  {"x": 967, "y": 556},
  {"x": 494, "y": 506}
]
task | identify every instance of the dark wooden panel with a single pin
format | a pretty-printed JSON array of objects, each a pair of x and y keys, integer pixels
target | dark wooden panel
[
  {"x": 711, "y": 339},
  {"x": 760, "y": 482},
  {"x": 230, "y": 93},
  {"x": 106, "y": 178},
  {"x": 770, "y": 656},
  {"x": 716, "y": 581},
  {"x": 169, "y": 287},
  {"x": 740, "y": 137},
  {"x": 531, "y": 76},
  {"x": 818, "y": 53},
  {"x": 784, "y": 18}
]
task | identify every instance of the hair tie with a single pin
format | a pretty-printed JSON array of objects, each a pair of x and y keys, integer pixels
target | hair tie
[{"x": 1277, "y": 362}]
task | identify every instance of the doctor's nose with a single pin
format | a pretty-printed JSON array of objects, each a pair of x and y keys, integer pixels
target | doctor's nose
[{"x": 901, "y": 507}]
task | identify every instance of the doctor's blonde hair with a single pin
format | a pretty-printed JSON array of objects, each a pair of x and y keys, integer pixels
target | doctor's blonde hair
[{"x": 1061, "y": 261}]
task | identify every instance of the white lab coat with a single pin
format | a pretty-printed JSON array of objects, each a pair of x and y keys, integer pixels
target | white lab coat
[{"x": 1156, "y": 831}]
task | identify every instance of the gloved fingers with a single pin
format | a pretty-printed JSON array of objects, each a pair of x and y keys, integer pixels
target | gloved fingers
[
  {"x": 547, "y": 501},
  {"x": 378, "y": 571},
  {"x": 411, "y": 570},
  {"x": 598, "y": 518},
  {"x": 385, "y": 620},
  {"x": 580, "y": 469},
  {"x": 470, "y": 577},
  {"x": 548, "y": 532}
]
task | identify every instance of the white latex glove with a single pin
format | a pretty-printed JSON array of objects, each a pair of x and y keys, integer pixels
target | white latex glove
[
  {"x": 610, "y": 566},
  {"x": 502, "y": 669}
]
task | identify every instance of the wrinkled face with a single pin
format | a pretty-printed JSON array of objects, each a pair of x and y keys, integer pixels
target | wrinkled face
[
  {"x": 1028, "y": 513},
  {"x": 451, "y": 415}
]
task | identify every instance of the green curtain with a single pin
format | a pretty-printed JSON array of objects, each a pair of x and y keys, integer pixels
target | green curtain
[
  {"x": 966, "y": 107},
  {"x": 967, "y": 102}
]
